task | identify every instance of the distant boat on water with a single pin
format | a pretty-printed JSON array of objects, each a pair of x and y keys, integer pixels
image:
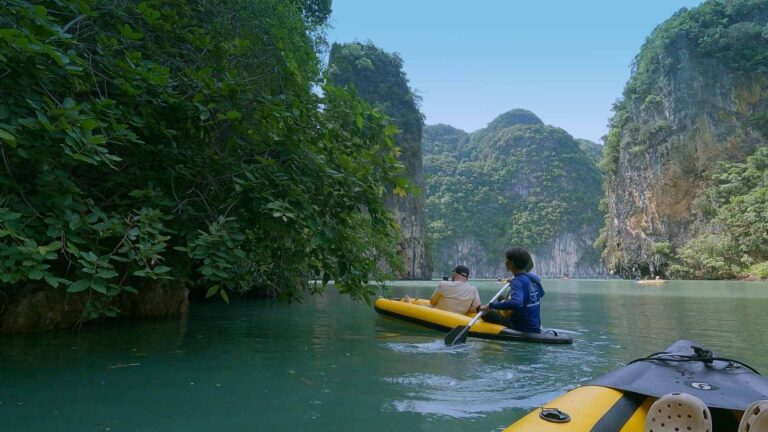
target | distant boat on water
[{"x": 652, "y": 281}]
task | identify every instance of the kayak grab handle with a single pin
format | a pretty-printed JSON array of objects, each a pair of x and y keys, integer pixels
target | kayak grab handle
[
  {"x": 703, "y": 353},
  {"x": 554, "y": 415}
]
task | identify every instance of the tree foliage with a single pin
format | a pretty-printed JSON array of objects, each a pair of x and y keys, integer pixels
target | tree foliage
[
  {"x": 378, "y": 77},
  {"x": 739, "y": 198},
  {"x": 181, "y": 143}
]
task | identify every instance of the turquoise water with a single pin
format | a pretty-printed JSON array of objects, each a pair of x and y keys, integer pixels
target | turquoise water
[{"x": 331, "y": 364}]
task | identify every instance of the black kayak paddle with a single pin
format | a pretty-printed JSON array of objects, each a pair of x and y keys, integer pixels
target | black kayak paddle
[{"x": 459, "y": 334}]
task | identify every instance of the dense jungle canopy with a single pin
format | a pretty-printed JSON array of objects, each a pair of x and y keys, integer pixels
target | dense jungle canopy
[{"x": 185, "y": 144}]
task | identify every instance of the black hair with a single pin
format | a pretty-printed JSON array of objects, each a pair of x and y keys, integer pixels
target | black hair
[{"x": 519, "y": 259}]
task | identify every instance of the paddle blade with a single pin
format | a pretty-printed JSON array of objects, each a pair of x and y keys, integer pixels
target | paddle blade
[{"x": 456, "y": 336}]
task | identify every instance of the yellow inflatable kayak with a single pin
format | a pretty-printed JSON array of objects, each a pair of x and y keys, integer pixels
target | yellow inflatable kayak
[
  {"x": 419, "y": 311},
  {"x": 621, "y": 400}
]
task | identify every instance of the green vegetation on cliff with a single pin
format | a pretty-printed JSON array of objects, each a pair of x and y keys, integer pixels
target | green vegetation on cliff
[
  {"x": 738, "y": 199},
  {"x": 378, "y": 78},
  {"x": 517, "y": 181},
  {"x": 181, "y": 144},
  {"x": 593, "y": 150},
  {"x": 729, "y": 32}
]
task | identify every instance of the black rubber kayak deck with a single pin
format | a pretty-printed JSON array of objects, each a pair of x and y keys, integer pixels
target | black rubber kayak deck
[{"x": 718, "y": 383}]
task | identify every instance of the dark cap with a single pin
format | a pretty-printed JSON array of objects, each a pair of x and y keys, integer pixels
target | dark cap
[{"x": 462, "y": 270}]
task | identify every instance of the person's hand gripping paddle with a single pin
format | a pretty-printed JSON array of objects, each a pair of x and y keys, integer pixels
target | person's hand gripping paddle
[{"x": 459, "y": 334}]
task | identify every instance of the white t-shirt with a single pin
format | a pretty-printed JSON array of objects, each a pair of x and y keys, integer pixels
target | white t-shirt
[{"x": 456, "y": 296}]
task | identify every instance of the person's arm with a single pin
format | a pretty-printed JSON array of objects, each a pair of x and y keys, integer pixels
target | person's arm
[
  {"x": 435, "y": 297},
  {"x": 475, "y": 302},
  {"x": 515, "y": 300}
]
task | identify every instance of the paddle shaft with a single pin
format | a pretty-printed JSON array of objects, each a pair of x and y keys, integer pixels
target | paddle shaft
[
  {"x": 454, "y": 337},
  {"x": 493, "y": 299}
]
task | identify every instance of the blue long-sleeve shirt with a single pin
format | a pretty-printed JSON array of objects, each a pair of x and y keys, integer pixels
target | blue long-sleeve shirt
[{"x": 524, "y": 299}]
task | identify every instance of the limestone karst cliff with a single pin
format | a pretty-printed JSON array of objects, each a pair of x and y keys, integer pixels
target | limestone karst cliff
[
  {"x": 697, "y": 96},
  {"x": 378, "y": 77},
  {"x": 515, "y": 182}
]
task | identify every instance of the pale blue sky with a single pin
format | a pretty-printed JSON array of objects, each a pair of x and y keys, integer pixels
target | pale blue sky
[{"x": 565, "y": 60}]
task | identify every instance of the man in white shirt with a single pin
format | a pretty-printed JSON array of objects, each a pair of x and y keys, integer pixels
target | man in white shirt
[{"x": 456, "y": 295}]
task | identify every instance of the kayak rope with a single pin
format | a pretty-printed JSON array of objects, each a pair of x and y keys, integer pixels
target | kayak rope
[{"x": 701, "y": 355}]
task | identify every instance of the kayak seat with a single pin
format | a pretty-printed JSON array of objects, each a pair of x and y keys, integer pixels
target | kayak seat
[
  {"x": 755, "y": 418},
  {"x": 678, "y": 412}
]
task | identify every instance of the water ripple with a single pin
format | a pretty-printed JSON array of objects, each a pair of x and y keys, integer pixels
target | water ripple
[
  {"x": 434, "y": 347},
  {"x": 485, "y": 390}
]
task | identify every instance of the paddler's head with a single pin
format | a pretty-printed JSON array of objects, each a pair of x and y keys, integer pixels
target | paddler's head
[
  {"x": 460, "y": 273},
  {"x": 518, "y": 260}
]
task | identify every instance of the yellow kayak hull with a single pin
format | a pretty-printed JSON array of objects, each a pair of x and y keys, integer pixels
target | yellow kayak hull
[
  {"x": 419, "y": 311},
  {"x": 592, "y": 408}
]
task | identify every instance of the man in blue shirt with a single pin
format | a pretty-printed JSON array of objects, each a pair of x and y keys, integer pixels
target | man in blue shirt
[{"x": 524, "y": 300}]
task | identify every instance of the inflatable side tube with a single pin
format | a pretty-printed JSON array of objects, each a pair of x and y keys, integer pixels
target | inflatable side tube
[{"x": 593, "y": 409}]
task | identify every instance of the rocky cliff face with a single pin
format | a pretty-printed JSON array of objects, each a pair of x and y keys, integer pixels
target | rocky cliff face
[
  {"x": 515, "y": 182},
  {"x": 568, "y": 255},
  {"x": 379, "y": 79},
  {"x": 696, "y": 98},
  {"x": 36, "y": 308}
]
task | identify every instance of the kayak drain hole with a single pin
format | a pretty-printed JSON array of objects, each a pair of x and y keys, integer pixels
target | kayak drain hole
[{"x": 554, "y": 415}]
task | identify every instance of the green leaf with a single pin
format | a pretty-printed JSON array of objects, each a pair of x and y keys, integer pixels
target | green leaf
[
  {"x": 52, "y": 281},
  {"x": 44, "y": 120},
  {"x": 78, "y": 286},
  {"x": 212, "y": 291},
  {"x": 8, "y": 137},
  {"x": 161, "y": 269},
  {"x": 224, "y": 295},
  {"x": 89, "y": 124},
  {"x": 84, "y": 158},
  {"x": 9, "y": 216},
  {"x": 97, "y": 139},
  {"x": 106, "y": 274},
  {"x": 99, "y": 286}
]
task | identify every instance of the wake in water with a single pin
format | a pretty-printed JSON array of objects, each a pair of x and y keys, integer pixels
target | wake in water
[
  {"x": 494, "y": 389},
  {"x": 433, "y": 347},
  {"x": 479, "y": 377}
]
